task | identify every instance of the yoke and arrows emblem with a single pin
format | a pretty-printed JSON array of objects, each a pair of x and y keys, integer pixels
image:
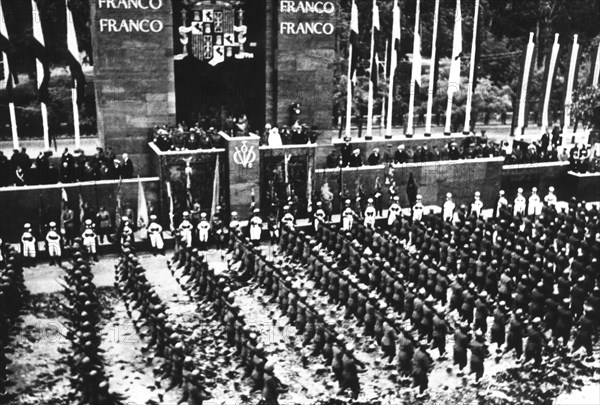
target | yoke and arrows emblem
[{"x": 244, "y": 156}]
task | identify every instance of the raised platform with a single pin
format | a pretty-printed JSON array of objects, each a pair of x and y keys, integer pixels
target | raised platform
[{"x": 585, "y": 186}]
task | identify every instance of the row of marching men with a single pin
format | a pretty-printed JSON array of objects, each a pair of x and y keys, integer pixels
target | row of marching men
[
  {"x": 13, "y": 294},
  {"x": 245, "y": 338}
]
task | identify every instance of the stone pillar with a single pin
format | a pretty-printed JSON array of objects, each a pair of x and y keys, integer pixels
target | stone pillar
[{"x": 242, "y": 172}]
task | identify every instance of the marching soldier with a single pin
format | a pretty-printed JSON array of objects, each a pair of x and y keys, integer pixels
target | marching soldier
[
  {"x": 348, "y": 215},
  {"x": 28, "y": 246},
  {"x": 535, "y": 342},
  {"x": 90, "y": 241},
  {"x": 550, "y": 199},
  {"x": 185, "y": 229},
  {"x": 479, "y": 352},
  {"x": 370, "y": 214},
  {"x": 288, "y": 219},
  {"x": 319, "y": 216},
  {"x": 394, "y": 211},
  {"x": 520, "y": 204},
  {"x": 155, "y": 236},
  {"x": 514, "y": 338},
  {"x": 462, "y": 339},
  {"x": 421, "y": 364},
  {"x": 477, "y": 205},
  {"x": 449, "y": 207},
  {"x": 53, "y": 240},
  {"x": 440, "y": 330},
  {"x": 126, "y": 237},
  {"x": 273, "y": 387},
  {"x": 203, "y": 231},
  {"x": 417, "y": 209},
  {"x": 255, "y": 225},
  {"x": 534, "y": 207},
  {"x": 350, "y": 372}
]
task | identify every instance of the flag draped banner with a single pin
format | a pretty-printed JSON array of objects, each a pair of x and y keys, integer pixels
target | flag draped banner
[
  {"x": 215, "y": 192},
  {"x": 77, "y": 76},
  {"x": 374, "y": 71},
  {"x": 415, "y": 78},
  {"x": 352, "y": 61},
  {"x": 42, "y": 68},
  {"x": 547, "y": 84},
  {"x": 571, "y": 81},
  {"x": 393, "y": 66},
  {"x": 520, "y": 119},
  {"x": 142, "y": 211},
  {"x": 10, "y": 78},
  {"x": 472, "y": 68},
  {"x": 385, "y": 68},
  {"x": 432, "y": 70},
  {"x": 454, "y": 77}
]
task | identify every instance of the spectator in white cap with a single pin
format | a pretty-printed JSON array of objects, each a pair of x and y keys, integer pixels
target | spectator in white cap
[
  {"x": 53, "y": 245},
  {"x": 355, "y": 158},
  {"x": 534, "y": 206},
  {"x": 448, "y": 209},
  {"x": 550, "y": 198},
  {"x": 28, "y": 246},
  {"x": 520, "y": 203}
]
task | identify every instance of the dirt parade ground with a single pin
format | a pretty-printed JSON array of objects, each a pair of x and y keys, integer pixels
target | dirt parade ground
[{"x": 41, "y": 375}]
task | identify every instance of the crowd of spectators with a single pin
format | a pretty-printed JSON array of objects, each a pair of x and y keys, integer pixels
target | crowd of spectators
[
  {"x": 21, "y": 170},
  {"x": 296, "y": 134},
  {"x": 182, "y": 137}
]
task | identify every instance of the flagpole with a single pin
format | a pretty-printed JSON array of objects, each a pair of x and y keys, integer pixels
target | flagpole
[
  {"x": 350, "y": 95},
  {"x": 524, "y": 86},
  {"x": 471, "y": 85},
  {"x": 45, "y": 125},
  {"x": 383, "y": 106},
  {"x": 76, "y": 116},
  {"x": 411, "y": 104},
  {"x": 571, "y": 82},
  {"x": 551, "y": 69},
  {"x": 429, "y": 118},
  {"x": 393, "y": 66},
  {"x": 454, "y": 77},
  {"x": 596, "y": 73},
  {"x": 369, "y": 134},
  {"x": 13, "y": 124}
]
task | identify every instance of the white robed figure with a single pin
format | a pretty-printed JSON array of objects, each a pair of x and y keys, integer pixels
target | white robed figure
[
  {"x": 155, "y": 234},
  {"x": 234, "y": 224},
  {"x": 185, "y": 229},
  {"x": 394, "y": 211},
  {"x": 28, "y": 242},
  {"x": 319, "y": 216},
  {"x": 255, "y": 224},
  {"x": 418, "y": 208},
  {"x": 89, "y": 238},
  {"x": 448, "y": 209},
  {"x": 347, "y": 217},
  {"x": 288, "y": 219},
  {"x": 520, "y": 203},
  {"x": 203, "y": 228},
  {"x": 550, "y": 199},
  {"x": 534, "y": 208},
  {"x": 369, "y": 214},
  {"x": 477, "y": 205},
  {"x": 53, "y": 242}
]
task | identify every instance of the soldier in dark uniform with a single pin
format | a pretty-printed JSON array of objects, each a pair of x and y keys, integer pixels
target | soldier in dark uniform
[
  {"x": 421, "y": 364},
  {"x": 479, "y": 352}
]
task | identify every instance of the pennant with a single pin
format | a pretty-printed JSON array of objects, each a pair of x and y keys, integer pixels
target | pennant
[
  {"x": 374, "y": 57},
  {"x": 519, "y": 119},
  {"x": 142, "y": 211},
  {"x": 595, "y": 70},
  {"x": 417, "y": 61},
  {"x": 171, "y": 206},
  {"x": 454, "y": 78},
  {"x": 216, "y": 189},
  {"x": 393, "y": 66},
  {"x": 10, "y": 77},
  {"x": 73, "y": 56},
  {"x": 571, "y": 80},
  {"x": 353, "y": 41},
  {"x": 41, "y": 54},
  {"x": 549, "y": 76},
  {"x": 81, "y": 212}
]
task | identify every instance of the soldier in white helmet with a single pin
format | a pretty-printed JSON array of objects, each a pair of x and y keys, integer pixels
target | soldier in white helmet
[
  {"x": 157, "y": 244},
  {"x": 394, "y": 211},
  {"x": 348, "y": 215},
  {"x": 417, "y": 209},
  {"x": 185, "y": 229},
  {"x": 501, "y": 203},
  {"x": 288, "y": 219},
  {"x": 53, "y": 245},
  {"x": 550, "y": 198},
  {"x": 477, "y": 205},
  {"x": 534, "y": 207},
  {"x": 203, "y": 231},
  {"x": 319, "y": 216},
  {"x": 255, "y": 225},
  {"x": 90, "y": 241},
  {"x": 127, "y": 236},
  {"x": 520, "y": 203},
  {"x": 369, "y": 214},
  {"x": 28, "y": 246},
  {"x": 448, "y": 209}
]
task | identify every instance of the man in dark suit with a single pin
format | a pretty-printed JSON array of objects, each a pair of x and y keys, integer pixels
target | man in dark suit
[{"x": 127, "y": 168}]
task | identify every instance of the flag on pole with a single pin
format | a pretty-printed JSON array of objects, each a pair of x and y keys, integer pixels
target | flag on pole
[
  {"x": 10, "y": 78},
  {"x": 64, "y": 205},
  {"x": 142, "y": 211},
  {"x": 352, "y": 62},
  {"x": 374, "y": 57},
  {"x": 472, "y": 71},
  {"x": 417, "y": 62},
  {"x": 519, "y": 119},
  {"x": 549, "y": 77},
  {"x": 171, "y": 207},
  {"x": 433, "y": 70},
  {"x": 393, "y": 66},
  {"x": 216, "y": 188},
  {"x": 457, "y": 51},
  {"x": 119, "y": 208},
  {"x": 415, "y": 77},
  {"x": 595, "y": 70},
  {"x": 81, "y": 211},
  {"x": 571, "y": 80},
  {"x": 41, "y": 54},
  {"x": 73, "y": 55}
]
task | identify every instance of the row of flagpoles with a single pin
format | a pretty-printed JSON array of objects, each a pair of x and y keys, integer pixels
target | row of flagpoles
[
  {"x": 43, "y": 72},
  {"x": 519, "y": 120}
]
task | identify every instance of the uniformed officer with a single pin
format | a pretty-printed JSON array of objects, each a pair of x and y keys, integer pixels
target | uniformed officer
[
  {"x": 534, "y": 206},
  {"x": 477, "y": 205},
  {"x": 520, "y": 203},
  {"x": 421, "y": 364},
  {"x": 157, "y": 244},
  {"x": 449, "y": 207},
  {"x": 273, "y": 224},
  {"x": 369, "y": 214},
  {"x": 550, "y": 199},
  {"x": 479, "y": 352},
  {"x": 418, "y": 209},
  {"x": 255, "y": 225},
  {"x": 28, "y": 246},
  {"x": 348, "y": 215},
  {"x": 394, "y": 211},
  {"x": 273, "y": 387},
  {"x": 319, "y": 216},
  {"x": 90, "y": 241},
  {"x": 53, "y": 244},
  {"x": 185, "y": 229},
  {"x": 203, "y": 231},
  {"x": 288, "y": 220}
]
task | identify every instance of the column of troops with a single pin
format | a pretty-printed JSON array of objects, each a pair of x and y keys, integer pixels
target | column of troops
[
  {"x": 179, "y": 369},
  {"x": 13, "y": 294}
]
